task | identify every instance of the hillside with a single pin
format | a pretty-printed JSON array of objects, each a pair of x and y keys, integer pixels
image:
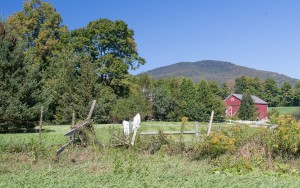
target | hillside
[{"x": 214, "y": 70}]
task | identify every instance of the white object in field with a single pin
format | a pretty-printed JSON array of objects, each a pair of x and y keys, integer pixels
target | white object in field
[
  {"x": 126, "y": 128},
  {"x": 135, "y": 125},
  {"x": 210, "y": 122},
  {"x": 136, "y": 122}
]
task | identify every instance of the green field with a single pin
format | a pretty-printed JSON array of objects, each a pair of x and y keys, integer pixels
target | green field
[
  {"x": 286, "y": 110},
  {"x": 95, "y": 166}
]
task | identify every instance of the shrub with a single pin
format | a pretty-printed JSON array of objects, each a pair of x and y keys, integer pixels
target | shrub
[
  {"x": 243, "y": 134},
  {"x": 296, "y": 115},
  {"x": 285, "y": 140},
  {"x": 152, "y": 144},
  {"x": 214, "y": 145}
]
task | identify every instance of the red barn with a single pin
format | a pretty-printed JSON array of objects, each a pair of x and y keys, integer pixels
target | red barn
[{"x": 233, "y": 102}]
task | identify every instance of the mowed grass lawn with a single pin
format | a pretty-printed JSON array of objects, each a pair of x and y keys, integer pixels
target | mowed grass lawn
[
  {"x": 116, "y": 167},
  {"x": 54, "y": 134},
  {"x": 286, "y": 110}
]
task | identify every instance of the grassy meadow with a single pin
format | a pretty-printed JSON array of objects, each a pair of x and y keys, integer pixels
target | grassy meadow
[
  {"x": 26, "y": 163},
  {"x": 286, "y": 110}
]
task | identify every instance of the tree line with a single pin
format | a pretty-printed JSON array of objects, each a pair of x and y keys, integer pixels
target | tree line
[{"x": 43, "y": 63}]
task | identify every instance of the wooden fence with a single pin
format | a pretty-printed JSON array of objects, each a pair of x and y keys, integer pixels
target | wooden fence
[{"x": 196, "y": 132}]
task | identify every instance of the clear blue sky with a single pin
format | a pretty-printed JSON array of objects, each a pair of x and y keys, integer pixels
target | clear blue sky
[{"x": 261, "y": 34}]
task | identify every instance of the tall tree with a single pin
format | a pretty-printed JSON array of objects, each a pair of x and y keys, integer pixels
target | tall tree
[
  {"x": 224, "y": 91},
  {"x": 19, "y": 94},
  {"x": 296, "y": 99},
  {"x": 241, "y": 84},
  {"x": 214, "y": 88},
  {"x": 247, "y": 110},
  {"x": 41, "y": 26},
  {"x": 163, "y": 103},
  {"x": 286, "y": 94},
  {"x": 188, "y": 105},
  {"x": 209, "y": 102},
  {"x": 245, "y": 84},
  {"x": 111, "y": 48},
  {"x": 271, "y": 92}
]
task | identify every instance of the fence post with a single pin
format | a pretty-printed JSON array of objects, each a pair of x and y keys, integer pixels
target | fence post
[
  {"x": 197, "y": 131},
  {"x": 91, "y": 110},
  {"x": 41, "y": 123},
  {"x": 72, "y": 126},
  {"x": 210, "y": 122},
  {"x": 73, "y": 120}
]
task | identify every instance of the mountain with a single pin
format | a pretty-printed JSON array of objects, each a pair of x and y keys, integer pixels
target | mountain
[{"x": 215, "y": 70}]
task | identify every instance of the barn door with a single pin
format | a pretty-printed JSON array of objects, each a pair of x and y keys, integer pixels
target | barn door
[{"x": 228, "y": 111}]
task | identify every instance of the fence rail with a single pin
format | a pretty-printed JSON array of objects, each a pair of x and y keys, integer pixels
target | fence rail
[{"x": 167, "y": 132}]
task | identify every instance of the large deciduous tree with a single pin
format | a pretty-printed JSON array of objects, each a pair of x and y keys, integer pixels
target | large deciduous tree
[
  {"x": 112, "y": 49},
  {"x": 245, "y": 84},
  {"x": 41, "y": 26},
  {"x": 271, "y": 92}
]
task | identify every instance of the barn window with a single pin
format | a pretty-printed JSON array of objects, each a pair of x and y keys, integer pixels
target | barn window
[{"x": 232, "y": 99}]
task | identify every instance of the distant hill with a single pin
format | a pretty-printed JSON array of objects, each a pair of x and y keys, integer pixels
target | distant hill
[{"x": 214, "y": 70}]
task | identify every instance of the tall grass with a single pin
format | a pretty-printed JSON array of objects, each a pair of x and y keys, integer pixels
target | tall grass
[{"x": 232, "y": 156}]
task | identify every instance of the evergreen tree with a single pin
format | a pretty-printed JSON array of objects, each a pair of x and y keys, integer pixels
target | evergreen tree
[
  {"x": 19, "y": 96},
  {"x": 214, "y": 88},
  {"x": 208, "y": 102},
  {"x": 188, "y": 105},
  {"x": 296, "y": 93},
  {"x": 286, "y": 94},
  {"x": 247, "y": 110},
  {"x": 60, "y": 85}
]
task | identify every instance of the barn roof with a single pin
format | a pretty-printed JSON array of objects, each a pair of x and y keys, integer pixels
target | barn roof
[{"x": 255, "y": 99}]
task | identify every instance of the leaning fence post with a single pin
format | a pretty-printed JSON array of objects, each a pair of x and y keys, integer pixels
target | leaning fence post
[
  {"x": 41, "y": 123},
  {"x": 73, "y": 120},
  {"x": 72, "y": 126},
  {"x": 210, "y": 122},
  {"x": 91, "y": 111},
  {"x": 197, "y": 131}
]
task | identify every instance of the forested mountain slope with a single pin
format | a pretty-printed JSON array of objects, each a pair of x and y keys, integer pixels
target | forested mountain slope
[{"x": 214, "y": 70}]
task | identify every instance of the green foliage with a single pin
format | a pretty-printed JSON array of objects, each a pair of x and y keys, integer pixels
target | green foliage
[
  {"x": 19, "y": 96},
  {"x": 245, "y": 84},
  {"x": 188, "y": 100},
  {"x": 247, "y": 110},
  {"x": 296, "y": 115},
  {"x": 271, "y": 92},
  {"x": 126, "y": 108},
  {"x": 40, "y": 26},
  {"x": 219, "y": 71},
  {"x": 214, "y": 145},
  {"x": 163, "y": 103},
  {"x": 285, "y": 110},
  {"x": 243, "y": 134},
  {"x": 286, "y": 94},
  {"x": 44, "y": 64},
  {"x": 111, "y": 48},
  {"x": 224, "y": 91},
  {"x": 285, "y": 140}
]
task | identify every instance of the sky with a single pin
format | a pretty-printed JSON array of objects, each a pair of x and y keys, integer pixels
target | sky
[{"x": 264, "y": 35}]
